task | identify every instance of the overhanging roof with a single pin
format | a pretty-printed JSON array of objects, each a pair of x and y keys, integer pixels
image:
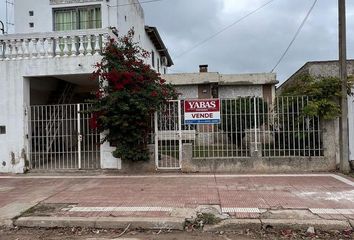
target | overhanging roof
[{"x": 158, "y": 43}]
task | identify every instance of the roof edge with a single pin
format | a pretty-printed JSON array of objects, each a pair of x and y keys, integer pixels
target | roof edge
[{"x": 154, "y": 34}]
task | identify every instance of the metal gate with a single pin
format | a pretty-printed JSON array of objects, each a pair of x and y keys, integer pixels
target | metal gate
[
  {"x": 60, "y": 138},
  {"x": 168, "y": 132}
]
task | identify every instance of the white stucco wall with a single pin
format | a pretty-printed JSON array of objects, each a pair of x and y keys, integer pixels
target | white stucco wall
[
  {"x": 240, "y": 91},
  {"x": 12, "y": 104},
  {"x": 43, "y": 14},
  {"x": 15, "y": 92},
  {"x": 121, "y": 17},
  {"x": 187, "y": 92}
]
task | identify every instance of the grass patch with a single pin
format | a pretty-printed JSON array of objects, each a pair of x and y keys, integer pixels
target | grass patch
[{"x": 43, "y": 210}]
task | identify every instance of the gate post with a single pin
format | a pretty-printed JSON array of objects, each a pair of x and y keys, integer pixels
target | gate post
[
  {"x": 255, "y": 124},
  {"x": 79, "y": 137},
  {"x": 156, "y": 140},
  {"x": 180, "y": 132}
]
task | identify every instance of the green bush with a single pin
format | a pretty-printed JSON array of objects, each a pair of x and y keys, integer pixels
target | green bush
[{"x": 325, "y": 93}]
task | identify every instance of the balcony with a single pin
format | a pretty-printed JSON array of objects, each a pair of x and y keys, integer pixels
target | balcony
[{"x": 62, "y": 44}]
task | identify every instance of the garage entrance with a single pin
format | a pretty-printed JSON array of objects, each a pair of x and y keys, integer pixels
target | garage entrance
[{"x": 60, "y": 137}]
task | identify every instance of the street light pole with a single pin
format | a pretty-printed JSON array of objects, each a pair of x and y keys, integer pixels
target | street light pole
[{"x": 344, "y": 135}]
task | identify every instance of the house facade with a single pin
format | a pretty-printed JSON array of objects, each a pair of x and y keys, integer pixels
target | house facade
[
  {"x": 45, "y": 77},
  {"x": 205, "y": 84}
]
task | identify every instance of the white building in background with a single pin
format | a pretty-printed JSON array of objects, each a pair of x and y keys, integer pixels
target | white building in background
[{"x": 45, "y": 68}]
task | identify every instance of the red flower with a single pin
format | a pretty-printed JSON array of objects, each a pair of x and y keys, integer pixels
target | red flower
[
  {"x": 119, "y": 86},
  {"x": 99, "y": 94},
  {"x": 94, "y": 121},
  {"x": 128, "y": 76},
  {"x": 113, "y": 76},
  {"x": 154, "y": 94}
]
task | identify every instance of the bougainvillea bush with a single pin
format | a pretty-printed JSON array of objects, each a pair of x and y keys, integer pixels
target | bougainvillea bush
[{"x": 130, "y": 92}]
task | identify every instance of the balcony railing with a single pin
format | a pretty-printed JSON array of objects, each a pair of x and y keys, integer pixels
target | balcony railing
[{"x": 54, "y": 44}]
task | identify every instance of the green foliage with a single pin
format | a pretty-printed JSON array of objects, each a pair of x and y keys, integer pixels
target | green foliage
[
  {"x": 130, "y": 92},
  {"x": 296, "y": 131},
  {"x": 324, "y": 92}
]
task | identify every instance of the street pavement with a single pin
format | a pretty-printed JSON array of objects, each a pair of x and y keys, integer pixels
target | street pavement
[{"x": 326, "y": 196}]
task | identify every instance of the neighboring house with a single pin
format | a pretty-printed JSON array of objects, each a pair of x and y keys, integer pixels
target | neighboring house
[
  {"x": 204, "y": 85},
  {"x": 45, "y": 71},
  {"x": 327, "y": 69},
  {"x": 316, "y": 69}
]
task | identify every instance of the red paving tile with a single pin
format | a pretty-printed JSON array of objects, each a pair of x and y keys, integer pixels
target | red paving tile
[{"x": 183, "y": 191}]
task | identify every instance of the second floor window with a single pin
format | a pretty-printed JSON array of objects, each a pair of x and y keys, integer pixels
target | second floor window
[
  {"x": 153, "y": 58},
  {"x": 66, "y": 19}
]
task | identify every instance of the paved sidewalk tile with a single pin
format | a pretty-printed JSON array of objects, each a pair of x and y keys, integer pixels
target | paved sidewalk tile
[{"x": 182, "y": 191}]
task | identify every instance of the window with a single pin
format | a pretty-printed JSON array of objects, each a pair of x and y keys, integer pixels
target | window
[
  {"x": 2, "y": 130},
  {"x": 158, "y": 65},
  {"x": 88, "y": 17},
  {"x": 31, "y": 13},
  {"x": 31, "y": 25},
  {"x": 153, "y": 58}
]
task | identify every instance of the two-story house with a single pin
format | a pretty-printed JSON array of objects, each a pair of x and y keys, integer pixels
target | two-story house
[{"x": 45, "y": 71}]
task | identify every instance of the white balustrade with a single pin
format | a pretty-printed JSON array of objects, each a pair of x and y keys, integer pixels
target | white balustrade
[
  {"x": 34, "y": 52},
  {"x": 97, "y": 44},
  {"x": 26, "y": 53},
  {"x": 89, "y": 46},
  {"x": 42, "y": 49},
  {"x": 54, "y": 44},
  {"x": 65, "y": 48},
  {"x": 57, "y": 47},
  {"x": 20, "y": 49},
  {"x": 14, "y": 49},
  {"x": 50, "y": 49},
  {"x": 81, "y": 47}
]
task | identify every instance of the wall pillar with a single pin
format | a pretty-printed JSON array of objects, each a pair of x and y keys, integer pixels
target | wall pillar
[
  {"x": 330, "y": 144},
  {"x": 108, "y": 161}
]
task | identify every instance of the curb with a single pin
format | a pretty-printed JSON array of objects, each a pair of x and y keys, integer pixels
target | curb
[
  {"x": 319, "y": 224},
  {"x": 102, "y": 222},
  {"x": 170, "y": 223},
  {"x": 231, "y": 225},
  {"x": 6, "y": 223}
]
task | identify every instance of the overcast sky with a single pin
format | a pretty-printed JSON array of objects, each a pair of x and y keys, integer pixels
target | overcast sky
[{"x": 255, "y": 44}]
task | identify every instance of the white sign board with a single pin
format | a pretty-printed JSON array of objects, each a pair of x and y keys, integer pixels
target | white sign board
[{"x": 202, "y": 111}]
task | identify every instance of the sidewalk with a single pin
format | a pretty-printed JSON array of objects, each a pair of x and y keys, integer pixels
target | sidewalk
[{"x": 166, "y": 200}]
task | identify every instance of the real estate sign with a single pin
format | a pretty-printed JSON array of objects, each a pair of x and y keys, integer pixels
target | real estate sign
[{"x": 202, "y": 111}]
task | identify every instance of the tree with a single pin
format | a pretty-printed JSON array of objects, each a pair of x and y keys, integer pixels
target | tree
[{"x": 130, "y": 92}]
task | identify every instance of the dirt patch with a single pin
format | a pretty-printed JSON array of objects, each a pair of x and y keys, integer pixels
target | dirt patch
[
  {"x": 45, "y": 209},
  {"x": 99, "y": 234}
]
